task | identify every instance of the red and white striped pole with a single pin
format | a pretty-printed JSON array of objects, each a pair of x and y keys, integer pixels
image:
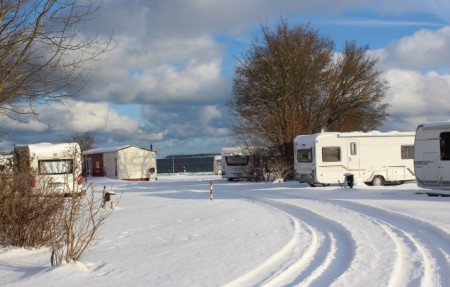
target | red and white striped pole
[{"x": 211, "y": 192}]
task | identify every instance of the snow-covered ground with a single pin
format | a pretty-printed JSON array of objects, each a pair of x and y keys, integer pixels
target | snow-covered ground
[{"x": 169, "y": 233}]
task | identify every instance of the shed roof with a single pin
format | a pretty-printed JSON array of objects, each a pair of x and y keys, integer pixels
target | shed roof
[{"x": 111, "y": 149}]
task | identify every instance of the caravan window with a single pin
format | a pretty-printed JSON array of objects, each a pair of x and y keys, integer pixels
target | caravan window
[
  {"x": 331, "y": 154},
  {"x": 353, "y": 148},
  {"x": 444, "y": 140},
  {"x": 304, "y": 155},
  {"x": 55, "y": 166},
  {"x": 407, "y": 151},
  {"x": 237, "y": 160}
]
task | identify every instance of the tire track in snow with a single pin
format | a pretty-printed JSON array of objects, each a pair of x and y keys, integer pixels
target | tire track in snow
[
  {"x": 282, "y": 258},
  {"x": 413, "y": 265},
  {"x": 333, "y": 257},
  {"x": 415, "y": 253},
  {"x": 326, "y": 258},
  {"x": 431, "y": 242}
]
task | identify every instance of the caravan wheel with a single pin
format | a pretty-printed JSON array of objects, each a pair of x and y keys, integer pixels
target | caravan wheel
[{"x": 378, "y": 181}]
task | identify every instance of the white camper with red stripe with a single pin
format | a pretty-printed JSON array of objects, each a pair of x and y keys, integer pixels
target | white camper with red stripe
[{"x": 58, "y": 164}]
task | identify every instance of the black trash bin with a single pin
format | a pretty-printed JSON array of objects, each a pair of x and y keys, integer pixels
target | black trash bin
[{"x": 349, "y": 179}]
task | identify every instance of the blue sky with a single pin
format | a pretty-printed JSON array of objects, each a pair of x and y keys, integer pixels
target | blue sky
[{"x": 167, "y": 80}]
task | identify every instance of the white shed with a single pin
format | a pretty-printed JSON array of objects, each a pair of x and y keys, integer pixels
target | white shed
[{"x": 123, "y": 162}]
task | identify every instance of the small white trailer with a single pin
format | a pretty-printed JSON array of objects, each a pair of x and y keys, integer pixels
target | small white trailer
[
  {"x": 59, "y": 165},
  {"x": 237, "y": 163},
  {"x": 122, "y": 162},
  {"x": 217, "y": 164},
  {"x": 374, "y": 158},
  {"x": 432, "y": 155}
]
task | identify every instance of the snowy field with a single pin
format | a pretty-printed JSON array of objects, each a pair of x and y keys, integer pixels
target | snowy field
[{"x": 169, "y": 233}]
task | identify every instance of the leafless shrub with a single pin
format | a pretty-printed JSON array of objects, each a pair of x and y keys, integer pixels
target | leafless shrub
[
  {"x": 33, "y": 214},
  {"x": 278, "y": 170},
  {"x": 26, "y": 218},
  {"x": 80, "y": 220},
  {"x": 269, "y": 165}
]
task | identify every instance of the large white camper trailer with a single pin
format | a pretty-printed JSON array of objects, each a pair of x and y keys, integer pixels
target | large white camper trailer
[
  {"x": 57, "y": 164},
  {"x": 432, "y": 155},
  {"x": 373, "y": 158},
  {"x": 237, "y": 163}
]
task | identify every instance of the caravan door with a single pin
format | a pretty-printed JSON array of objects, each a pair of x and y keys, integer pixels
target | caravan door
[
  {"x": 431, "y": 171},
  {"x": 353, "y": 157}
]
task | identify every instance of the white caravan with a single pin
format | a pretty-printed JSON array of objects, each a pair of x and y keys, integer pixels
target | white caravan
[
  {"x": 432, "y": 155},
  {"x": 237, "y": 163},
  {"x": 217, "y": 164},
  {"x": 57, "y": 164},
  {"x": 373, "y": 158}
]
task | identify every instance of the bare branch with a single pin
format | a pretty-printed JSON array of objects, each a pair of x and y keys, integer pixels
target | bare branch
[{"x": 43, "y": 55}]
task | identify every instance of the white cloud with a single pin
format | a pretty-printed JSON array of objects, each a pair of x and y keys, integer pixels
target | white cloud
[
  {"x": 175, "y": 70},
  {"x": 406, "y": 92},
  {"x": 209, "y": 113},
  {"x": 149, "y": 136},
  {"x": 425, "y": 49},
  {"x": 82, "y": 117},
  {"x": 75, "y": 118},
  {"x": 31, "y": 124},
  {"x": 416, "y": 68},
  {"x": 170, "y": 57},
  {"x": 416, "y": 98},
  {"x": 187, "y": 122}
]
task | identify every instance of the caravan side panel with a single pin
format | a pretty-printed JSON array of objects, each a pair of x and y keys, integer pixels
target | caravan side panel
[
  {"x": 432, "y": 155},
  {"x": 331, "y": 158},
  {"x": 374, "y": 157}
]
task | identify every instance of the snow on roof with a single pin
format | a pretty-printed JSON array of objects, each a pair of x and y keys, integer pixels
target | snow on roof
[
  {"x": 48, "y": 149},
  {"x": 236, "y": 151},
  {"x": 435, "y": 125},
  {"x": 111, "y": 149},
  {"x": 375, "y": 134},
  {"x": 106, "y": 149}
]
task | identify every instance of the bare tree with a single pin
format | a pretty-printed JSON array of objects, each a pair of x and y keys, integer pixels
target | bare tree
[
  {"x": 85, "y": 140},
  {"x": 295, "y": 83},
  {"x": 43, "y": 55}
]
